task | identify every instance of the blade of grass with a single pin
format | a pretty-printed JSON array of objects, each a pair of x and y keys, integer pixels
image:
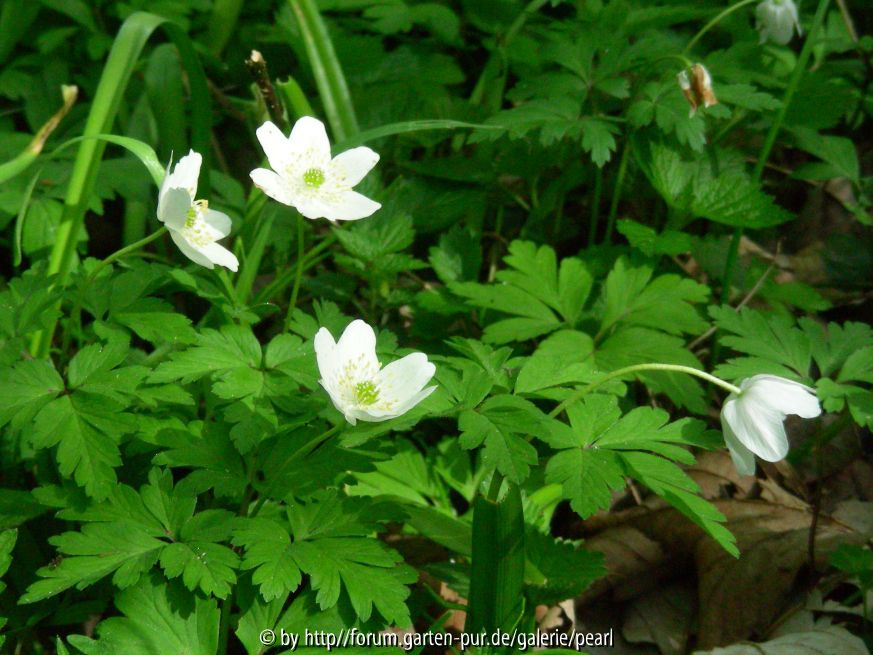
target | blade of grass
[
  {"x": 326, "y": 69},
  {"x": 404, "y": 127},
  {"x": 166, "y": 94},
  {"x": 20, "y": 218},
  {"x": 222, "y": 23},
  {"x": 125, "y": 52},
  {"x": 26, "y": 157},
  {"x": 497, "y": 575}
]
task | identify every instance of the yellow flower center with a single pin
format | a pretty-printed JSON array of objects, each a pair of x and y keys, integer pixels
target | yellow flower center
[
  {"x": 314, "y": 177},
  {"x": 366, "y": 393},
  {"x": 194, "y": 211}
]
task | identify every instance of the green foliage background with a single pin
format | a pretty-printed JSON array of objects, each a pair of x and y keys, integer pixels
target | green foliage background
[{"x": 551, "y": 213}]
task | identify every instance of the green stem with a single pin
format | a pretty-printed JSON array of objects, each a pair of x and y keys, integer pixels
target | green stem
[
  {"x": 252, "y": 262},
  {"x": 298, "y": 275},
  {"x": 494, "y": 487},
  {"x": 616, "y": 193},
  {"x": 654, "y": 366},
  {"x": 715, "y": 21},
  {"x": 770, "y": 139},
  {"x": 595, "y": 206},
  {"x": 294, "y": 99}
]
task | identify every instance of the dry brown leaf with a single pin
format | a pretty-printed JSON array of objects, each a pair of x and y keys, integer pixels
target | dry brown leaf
[
  {"x": 856, "y": 514},
  {"x": 632, "y": 562},
  {"x": 716, "y": 475},
  {"x": 832, "y": 640},
  {"x": 741, "y": 597},
  {"x": 773, "y": 493},
  {"x": 663, "y": 617}
]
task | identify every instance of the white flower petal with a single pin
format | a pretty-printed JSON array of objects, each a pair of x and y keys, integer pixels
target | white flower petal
[
  {"x": 346, "y": 206},
  {"x": 325, "y": 353},
  {"x": 275, "y": 146},
  {"x": 218, "y": 254},
  {"x": 413, "y": 400},
  {"x": 173, "y": 206},
  {"x": 218, "y": 221},
  {"x": 358, "y": 344},
  {"x": 185, "y": 173},
  {"x": 190, "y": 251},
  {"x": 743, "y": 458},
  {"x": 309, "y": 142},
  {"x": 350, "y": 167},
  {"x": 404, "y": 378},
  {"x": 753, "y": 420},
  {"x": 273, "y": 184},
  {"x": 786, "y": 396}
]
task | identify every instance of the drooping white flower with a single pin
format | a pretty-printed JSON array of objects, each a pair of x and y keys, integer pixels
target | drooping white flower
[
  {"x": 193, "y": 226},
  {"x": 697, "y": 87},
  {"x": 305, "y": 177},
  {"x": 777, "y": 20},
  {"x": 752, "y": 421},
  {"x": 358, "y": 385}
]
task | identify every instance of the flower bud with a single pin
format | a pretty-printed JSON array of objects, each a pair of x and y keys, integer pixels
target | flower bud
[
  {"x": 697, "y": 87},
  {"x": 777, "y": 20}
]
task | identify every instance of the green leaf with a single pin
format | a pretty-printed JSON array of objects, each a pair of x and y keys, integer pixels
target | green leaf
[
  {"x": 633, "y": 298},
  {"x": 772, "y": 341},
  {"x": 747, "y": 97},
  {"x": 25, "y": 388},
  {"x": 87, "y": 432},
  {"x": 637, "y": 345},
  {"x": 602, "y": 446},
  {"x": 671, "y": 483},
  {"x": 532, "y": 288},
  {"x": 598, "y": 139},
  {"x": 332, "y": 543},
  {"x": 566, "y": 569},
  {"x": 838, "y": 152},
  {"x": 268, "y": 552},
  {"x": 650, "y": 243},
  {"x": 735, "y": 199},
  {"x": 131, "y": 531},
  {"x": 232, "y": 356},
  {"x": 203, "y": 565},
  {"x": 159, "y": 618},
  {"x": 587, "y": 478},
  {"x": 502, "y": 423}
]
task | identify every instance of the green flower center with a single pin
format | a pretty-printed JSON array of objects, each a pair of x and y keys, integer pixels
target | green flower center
[
  {"x": 195, "y": 209},
  {"x": 366, "y": 393},
  {"x": 314, "y": 177}
]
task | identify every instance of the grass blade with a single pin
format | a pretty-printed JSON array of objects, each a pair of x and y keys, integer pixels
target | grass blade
[
  {"x": 326, "y": 69},
  {"x": 131, "y": 39},
  {"x": 497, "y": 576}
]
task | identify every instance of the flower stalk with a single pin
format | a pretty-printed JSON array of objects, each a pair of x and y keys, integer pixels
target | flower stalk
[{"x": 636, "y": 368}]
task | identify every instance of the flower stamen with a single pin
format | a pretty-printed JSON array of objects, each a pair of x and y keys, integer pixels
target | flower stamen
[
  {"x": 313, "y": 177},
  {"x": 366, "y": 393}
]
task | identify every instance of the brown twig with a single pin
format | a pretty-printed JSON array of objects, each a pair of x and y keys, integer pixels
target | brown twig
[{"x": 257, "y": 66}]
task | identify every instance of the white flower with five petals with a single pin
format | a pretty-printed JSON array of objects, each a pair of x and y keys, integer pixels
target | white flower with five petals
[
  {"x": 358, "y": 385},
  {"x": 194, "y": 227},
  {"x": 305, "y": 177},
  {"x": 777, "y": 20},
  {"x": 752, "y": 421}
]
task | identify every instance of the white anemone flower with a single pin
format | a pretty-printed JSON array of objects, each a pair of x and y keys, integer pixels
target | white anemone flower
[
  {"x": 752, "y": 421},
  {"x": 305, "y": 177},
  {"x": 777, "y": 20},
  {"x": 358, "y": 385},
  {"x": 193, "y": 226}
]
